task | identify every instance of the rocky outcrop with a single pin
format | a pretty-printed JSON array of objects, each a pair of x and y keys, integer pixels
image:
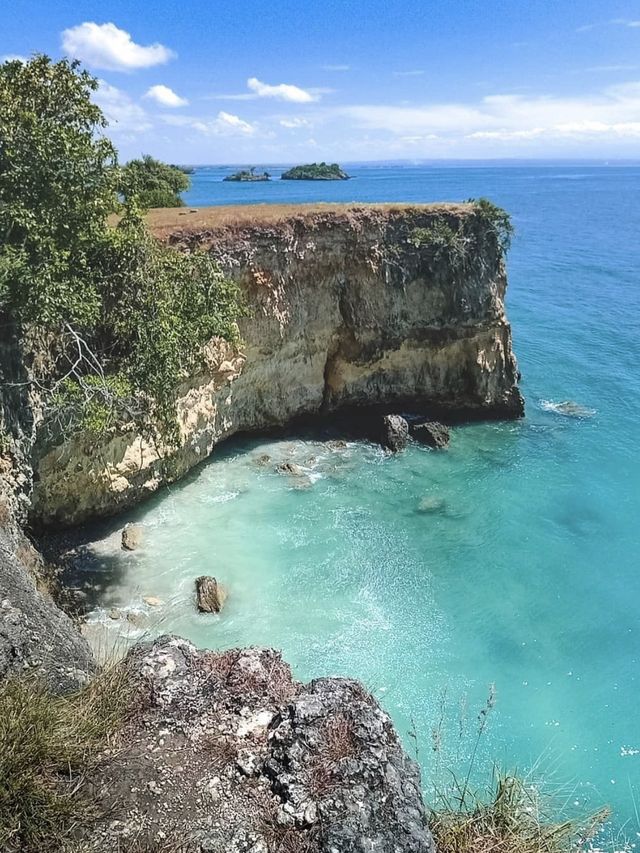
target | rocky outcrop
[
  {"x": 36, "y": 638},
  {"x": 228, "y": 754},
  {"x": 345, "y": 311},
  {"x": 394, "y": 433}
]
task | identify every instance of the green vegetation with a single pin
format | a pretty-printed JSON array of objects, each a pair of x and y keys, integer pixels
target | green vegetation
[
  {"x": 47, "y": 744},
  {"x": 248, "y": 175},
  {"x": 456, "y": 241},
  {"x": 152, "y": 183},
  {"x": 315, "y": 172},
  {"x": 514, "y": 817},
  {"x": 121, "y": 317},
  {"x": 497, "y": 220}
]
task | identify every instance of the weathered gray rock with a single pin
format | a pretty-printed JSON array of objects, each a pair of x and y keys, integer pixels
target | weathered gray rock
[
  {"x": 132, "y": 537},
  {"x": 35, "y": 636},
  {"x": 210, "y": 595},
  {"x": 431, "y": 433},
  {"x": 243, "y": 758},
  {"x": 394, "y": 433}
]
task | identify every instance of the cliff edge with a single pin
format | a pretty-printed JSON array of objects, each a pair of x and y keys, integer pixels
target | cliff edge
[{"x": 347, "y": 307}]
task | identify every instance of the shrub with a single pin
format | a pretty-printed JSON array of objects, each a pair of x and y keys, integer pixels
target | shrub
[{"x": 153, "y": 183}]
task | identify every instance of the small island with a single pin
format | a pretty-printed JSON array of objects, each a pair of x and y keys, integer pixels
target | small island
[
  {"x": 245, "y": 175},
  {"x": 316, "y": 172}
]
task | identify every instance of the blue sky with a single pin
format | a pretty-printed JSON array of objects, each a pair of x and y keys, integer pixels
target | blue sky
[{"x": 227, "y": 81}]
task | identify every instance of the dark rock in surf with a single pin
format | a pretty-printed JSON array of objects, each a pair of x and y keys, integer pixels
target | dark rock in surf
[
  {"x": 431, "y": 433},
  {"x": 210, "y": 595},
  {"x": 394, "y": 433}
]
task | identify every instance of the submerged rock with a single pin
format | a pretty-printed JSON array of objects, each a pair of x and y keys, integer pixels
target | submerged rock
[
  {"x": 234, "y": 755},
  {"x": 394, "y": 433},
  {"x": 569, "y": 408},
  {"x": 132, "y": 537},
  {"x": 210, "y": 595},
  {"x": 431, "y": 503},
  {"x": 152, "y": 600},
  {"x": 431, "y": 433}
]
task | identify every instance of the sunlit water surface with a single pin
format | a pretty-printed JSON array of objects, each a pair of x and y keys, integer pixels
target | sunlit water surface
[{"x": 511, "y": 559}]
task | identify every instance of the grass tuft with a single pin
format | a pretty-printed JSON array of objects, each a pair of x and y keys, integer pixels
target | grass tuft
[
  {"x": 513, "y": 818},
  {"x": 47, "y": 745}
]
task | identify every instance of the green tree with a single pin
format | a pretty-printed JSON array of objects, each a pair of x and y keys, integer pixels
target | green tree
[
  {"x": 57, "y": 185},
  {"x": 153, "y": 183},
  {"x": 125, "y": 316}
]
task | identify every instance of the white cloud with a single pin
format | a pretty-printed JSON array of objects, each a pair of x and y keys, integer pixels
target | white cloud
[
  {"x": 224, "y": 123},
  {"x": 295, "y": 122},
  {"x": 165, "y": 96},
  {"x": 418, "y": 72},
  {"x": 123, "y": 114},
  {"x": 107, "y": 46},
  {"x": 626, "y": 23},
  {"x": 336, "y": 67},
  {"x": 282, "y": 91},
  {"x": 13, "y": 57},
  {"x": 612, "y": 113}
]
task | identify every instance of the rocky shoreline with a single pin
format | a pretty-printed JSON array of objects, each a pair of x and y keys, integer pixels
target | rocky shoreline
[{"x": 349, "y": 318}]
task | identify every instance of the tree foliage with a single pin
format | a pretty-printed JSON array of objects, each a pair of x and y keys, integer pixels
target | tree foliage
[
  {"x": 153, "y": 183},
  {"x": 315, "y": 172},
  {"x": 125, "y": 316},
  {"x": 57, "y": 182}
]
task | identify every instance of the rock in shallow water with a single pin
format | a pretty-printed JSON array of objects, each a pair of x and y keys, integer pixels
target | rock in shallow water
[
  {"x": 132, "y": 537},
  {"x": 210, "y": 595},
  {"x": 431, "y": 433},
  {"x": 394, "y": 433}
]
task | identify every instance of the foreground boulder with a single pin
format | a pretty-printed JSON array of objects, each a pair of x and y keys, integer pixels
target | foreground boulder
[
  {"x": 228, "y": 754},
  {"x": 431, "y": 433},
  {"x": 394, "y": 433},
  {"x": 210, "y": 595}
]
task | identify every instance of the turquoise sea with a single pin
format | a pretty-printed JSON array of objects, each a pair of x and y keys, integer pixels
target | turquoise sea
[{"x": 512, "y": 559}]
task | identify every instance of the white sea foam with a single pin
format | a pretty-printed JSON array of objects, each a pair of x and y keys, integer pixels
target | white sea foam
[{"x": 568, "y": 408}]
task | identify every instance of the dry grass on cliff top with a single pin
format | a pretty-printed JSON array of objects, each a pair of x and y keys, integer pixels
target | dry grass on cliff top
[
  {"x": 165, "y": 221},
  {"x": 47, "y": 745}
]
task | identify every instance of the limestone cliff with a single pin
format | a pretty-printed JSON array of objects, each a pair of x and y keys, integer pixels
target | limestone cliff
[{"x": 345, "y": 309}]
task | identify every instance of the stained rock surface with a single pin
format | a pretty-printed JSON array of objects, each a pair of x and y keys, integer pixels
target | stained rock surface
[
  {"x": 345, "y": 310},
  {"x": 228, "y": 754}
]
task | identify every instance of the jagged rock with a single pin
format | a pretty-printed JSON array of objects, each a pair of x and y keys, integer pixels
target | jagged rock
[
  {"x": 290, "y": 468},
  {"x": 210, "y": 595},
  {"x": 431, "y": 433},
  {"x": 244, "y": 758},
  {"x": 394, "y": 432},
  {"x": 132, "y": 537}
]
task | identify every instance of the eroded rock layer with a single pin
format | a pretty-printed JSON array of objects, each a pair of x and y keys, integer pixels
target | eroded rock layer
[{"x": 345, "y": 309}]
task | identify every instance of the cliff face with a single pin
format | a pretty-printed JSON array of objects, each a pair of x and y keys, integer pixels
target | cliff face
[{"x": 344, "y": 310}]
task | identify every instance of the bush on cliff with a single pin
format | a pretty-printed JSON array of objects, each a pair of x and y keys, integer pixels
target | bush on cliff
[
  {"x": 153, "y": 183},
  {"x": 119, "y": 317}
]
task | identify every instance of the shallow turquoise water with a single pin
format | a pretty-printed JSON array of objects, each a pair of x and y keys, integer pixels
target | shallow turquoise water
[{"x": 524, "y": 570}]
